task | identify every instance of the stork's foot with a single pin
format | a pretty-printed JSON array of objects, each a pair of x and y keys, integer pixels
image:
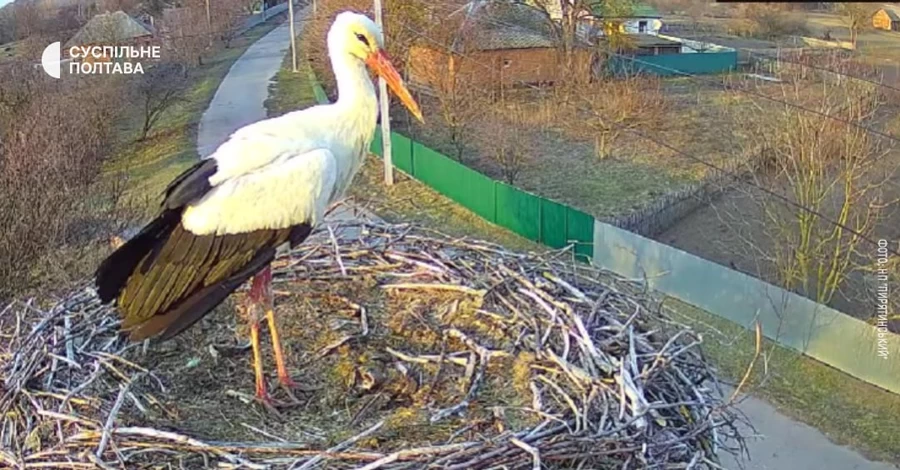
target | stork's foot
[{"x": 288, "y": 383}]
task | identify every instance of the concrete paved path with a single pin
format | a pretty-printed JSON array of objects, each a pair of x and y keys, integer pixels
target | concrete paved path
[
  {"x": 241, "y": 95},
  {"x": 781, "y": 443},
  {"x": 784, "y": 444}
]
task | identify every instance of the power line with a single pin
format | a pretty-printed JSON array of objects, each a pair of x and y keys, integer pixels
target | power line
[
  {"x": 732, "y": 174},
  {"x": 740, "y": 90}
]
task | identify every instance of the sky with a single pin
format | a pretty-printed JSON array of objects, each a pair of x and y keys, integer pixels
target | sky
[{"x": 4, "y": 2}]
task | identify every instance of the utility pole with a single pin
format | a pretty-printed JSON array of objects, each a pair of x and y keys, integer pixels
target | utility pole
[
  {"x": 208, "y": 24},
  {"x": 385, "y": 103},
  {"x": 293, "y": 38}
]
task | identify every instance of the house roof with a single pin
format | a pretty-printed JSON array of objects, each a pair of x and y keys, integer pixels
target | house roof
[
  {"x": 516, "y": 37},
  {"x": 494, "y": 26},
  {"x": 892, "y": 11},
  {"x": 109, "y": 27},
  {"x": 637, "y": 10}
]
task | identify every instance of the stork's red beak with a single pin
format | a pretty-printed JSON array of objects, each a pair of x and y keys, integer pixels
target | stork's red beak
[{"x": 381, "y": 65}]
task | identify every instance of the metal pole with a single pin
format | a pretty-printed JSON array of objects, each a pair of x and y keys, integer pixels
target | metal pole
[
  {"x": 208, "y": 24},
  {"x": 384, "y": 102},
  {"x": 293, "y": 38}
]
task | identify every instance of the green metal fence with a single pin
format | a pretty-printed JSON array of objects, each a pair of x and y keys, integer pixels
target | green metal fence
[
  {"x": 675, "y": 64},
  {"x": 526, "y": 214}
]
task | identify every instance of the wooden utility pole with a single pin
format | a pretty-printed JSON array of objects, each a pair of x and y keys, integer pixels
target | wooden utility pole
[
  {"x": 293, "y": 38},
  {"x": 385, "y": 103},
  {"x": 209, "y": 24}
]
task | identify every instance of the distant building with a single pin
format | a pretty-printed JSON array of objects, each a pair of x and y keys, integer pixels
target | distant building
[
  {"x": 497, "y": 44},
  {"x": 112, "y": 29},
  {"x": 640, "y": 19},
  {"x": 887, "y": 18}
]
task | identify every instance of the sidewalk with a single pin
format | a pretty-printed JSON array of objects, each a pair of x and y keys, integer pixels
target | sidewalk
[
  {"x": 781, "y": 444},
  {"x": 241, "y": 95}
]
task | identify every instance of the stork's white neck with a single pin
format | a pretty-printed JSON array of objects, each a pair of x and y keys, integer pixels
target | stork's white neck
[
  {"x": 356, "y": 110},
  {"x": 356, "y": 100}
]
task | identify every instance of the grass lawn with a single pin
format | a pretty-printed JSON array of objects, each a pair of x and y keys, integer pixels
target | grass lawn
[
  {"x": 847, "y": 410},
  {"x": 149, "y": 165}
]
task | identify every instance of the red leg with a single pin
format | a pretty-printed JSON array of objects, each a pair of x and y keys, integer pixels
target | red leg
[
  {"x": 283, "y": 375},
  {"x": 257, "y": 295},
  {"x": 265, "y": 290},
  {"x": 257, "y": 360}
]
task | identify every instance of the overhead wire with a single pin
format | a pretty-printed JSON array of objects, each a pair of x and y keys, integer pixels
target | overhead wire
[{"x": 737, "y": 177}]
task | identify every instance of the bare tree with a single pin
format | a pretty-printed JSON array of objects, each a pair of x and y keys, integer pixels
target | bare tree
[
  {"x": 159, "y": 88},
  {"x": 616, "y": 105},
  {"x": 856, "y": 16},
  {"x": 459, "y": 83},
  {"x": 829, "y": 168},
  {"x": 502, "y": 139},
  {"x": 568, "y": 21},
  {"x": 773, "y": 20},
  {"x": 7, "y": 25},
  {"x": 48, "y": 184},
  {"x": 227, "y": 18},
  {"x": 184, "y": 41}
]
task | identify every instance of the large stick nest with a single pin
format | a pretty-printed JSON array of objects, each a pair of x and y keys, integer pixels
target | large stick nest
[{"x": 414, "y": 350}]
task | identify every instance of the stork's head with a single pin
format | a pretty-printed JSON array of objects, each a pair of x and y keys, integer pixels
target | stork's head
[{"x": 358, "y": 36}]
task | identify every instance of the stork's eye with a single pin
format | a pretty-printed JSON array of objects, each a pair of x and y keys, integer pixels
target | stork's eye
[{"x": 363, "y": 39}]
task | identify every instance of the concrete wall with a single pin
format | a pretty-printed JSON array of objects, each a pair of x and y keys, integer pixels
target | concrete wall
[{"x": 828, "y": 335}]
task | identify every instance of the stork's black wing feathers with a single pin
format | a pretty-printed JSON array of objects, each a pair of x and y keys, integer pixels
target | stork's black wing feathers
[
  {"x": 190, "y": 185},
  {"x": 166, "y": 278}
]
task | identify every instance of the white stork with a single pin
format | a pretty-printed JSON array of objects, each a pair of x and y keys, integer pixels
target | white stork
[{"x": 222, "y": 220}]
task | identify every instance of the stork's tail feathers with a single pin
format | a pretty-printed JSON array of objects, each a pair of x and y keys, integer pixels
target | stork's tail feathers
[
  {"x": 113, "y": 273},
  {"x": 166, "y": 278}
]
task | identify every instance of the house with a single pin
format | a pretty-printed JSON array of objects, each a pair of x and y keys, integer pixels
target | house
[
  {"x": 112, "y": 29},
  {"x": 887, "y": 18},
  {"x": 638, "y": 19},
  {"x": 495, "y": 44}
]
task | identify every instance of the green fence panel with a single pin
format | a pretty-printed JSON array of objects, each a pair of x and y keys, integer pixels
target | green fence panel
[
  {"x": 580, "y": 230},
  {"x": 676, "y": 64},
  {"x": 376, "y": 146},
  {"x": 464, "y": 185},
  {"x": 518, "y": 211},
  {"x": 401, "y": 152},
  {"x": 553, "y": 224}
]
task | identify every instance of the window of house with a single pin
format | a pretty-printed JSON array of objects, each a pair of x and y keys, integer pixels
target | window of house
[
  {"x": 642, "y": 26},
  {"x": 506, "y": 63}
]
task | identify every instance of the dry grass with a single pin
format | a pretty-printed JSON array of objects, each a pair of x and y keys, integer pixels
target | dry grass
[{"x": 433, "y": 351}]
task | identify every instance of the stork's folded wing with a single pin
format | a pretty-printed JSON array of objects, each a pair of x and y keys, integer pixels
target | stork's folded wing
[{"x": 286, "y": 192}]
